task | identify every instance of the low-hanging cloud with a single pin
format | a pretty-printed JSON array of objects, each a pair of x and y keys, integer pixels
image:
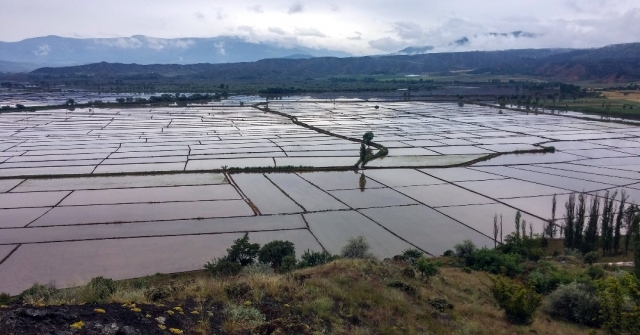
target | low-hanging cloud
[{"x": 309, "y": 32}]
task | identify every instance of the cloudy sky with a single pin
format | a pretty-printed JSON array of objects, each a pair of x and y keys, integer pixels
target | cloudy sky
[{"x": 359, "y": 27}]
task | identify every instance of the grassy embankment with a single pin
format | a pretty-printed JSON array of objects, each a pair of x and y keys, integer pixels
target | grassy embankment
[{"x": 345, "y": 296}]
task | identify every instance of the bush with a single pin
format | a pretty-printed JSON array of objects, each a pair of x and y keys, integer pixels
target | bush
[
  {"x": 223, "y": 267},
  {"x": 440, "y": 304},
  {"x": 356, "y": 247},
  {"x": 273, "y": 252},
  {"x": 595, "y": 272},
  {"x": 426, "y": 267},
  {"x": 407, "y": 288},
  {"x": 38, "y": 292},
  {"x": 412, "y": 254},
  {"x": 591, "y": 257},
  {"x": 547, "y": 281},
  {"x": 244, "y": 316},
  {"x": 5, "y": 298},
  {"x": 448, "y": 253},
  {"x": 619, "y": 299},
  {"x": 464, "y": 250},
  {"x": 314, "y": 258},
  {"x": 519, "y": 302},
  {"x": 574, "y": 302},
  {"x": 98, "y": 289},
  {"x": 492, "y": 261}
]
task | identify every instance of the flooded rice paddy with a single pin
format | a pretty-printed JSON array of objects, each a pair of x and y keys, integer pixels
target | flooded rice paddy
[{"x": 125, "y": 193}]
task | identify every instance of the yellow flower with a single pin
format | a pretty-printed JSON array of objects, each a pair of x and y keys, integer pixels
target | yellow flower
[
  {"x": 163, "y": 327},
  {"x": 99, "y": 310},
  {"x": 175, "y": 331},
  {"x": 4, "y": 306},
  {"x": 287, "y": 305},
  {"x": 148, "y": 316},
  {"x": 195, "y": 312},
  {"x": 170, "y": 312},
  {"x": 247, "y": 303},
  {"x": 136, "y": 309},
  {"x": 178, "y": 308},
  {"x": 78, "y": 325}
]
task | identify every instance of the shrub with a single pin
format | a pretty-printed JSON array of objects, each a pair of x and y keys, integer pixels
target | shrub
[
  {"x": 356, "y": 247},
  {"x": 547, "y": 281},
  {"x": 519, "y": 302},
  {"x": 273, "y": 252},
  {"x": 38, "y": 292},
  {"x": 223, "y": 267},
  {"x": 244, "y": 316},
  {"x": 408, "y": 273},
  {"x": 426, "y": 267},
  {"x": 574, "y": 302},
  {"x": 591, "y": 257},
  {"x": 5, "y": 298},
  {"x": 412, "y": 254},
  {"x": 619, "y": 299},
  {"x": 314, "y": 258},
  {"x": 448, "y": 253},
  {"x": 407, "y": 288},
  {"x": 242, "y": 251},
  {"x": 492, "y": 261},
  {"x": 440, "y": 304},
  {"x": 464, "y": 250},
  {"x": 595, "y": 272},
  {"x": 98, "y": 289}
]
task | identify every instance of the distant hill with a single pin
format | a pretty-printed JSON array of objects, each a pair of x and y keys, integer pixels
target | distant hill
[
  {"x": 612, "y": 63},
  {"x": 64, "y": 51}
]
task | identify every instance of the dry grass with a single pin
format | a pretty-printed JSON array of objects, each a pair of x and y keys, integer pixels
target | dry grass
[
  {"x": 631, "y": 96},
  {"x": 343, "y": 297}
]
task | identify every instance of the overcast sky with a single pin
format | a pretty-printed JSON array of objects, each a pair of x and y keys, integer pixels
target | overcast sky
[{"x": 359, "y": 27}]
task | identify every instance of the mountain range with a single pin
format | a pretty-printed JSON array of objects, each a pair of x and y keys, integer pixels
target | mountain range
[
  {"x": 614, "y": 63},
  {"x": 33, "y": 53}
]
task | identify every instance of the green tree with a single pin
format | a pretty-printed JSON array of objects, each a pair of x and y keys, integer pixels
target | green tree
[
  {"x": 635, "y": 236},
  {"x": 578, "y": 239},
  {"x": 591, "y": 234},
  {"x": 619, "y": 220},
  {"x": 274, "y": 252},
  {"x": 569, "y": 221},
  {"x": 242, "y": 251}
]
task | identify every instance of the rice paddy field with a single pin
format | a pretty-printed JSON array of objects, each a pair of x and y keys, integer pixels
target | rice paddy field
[{"x": 125, "y": 193}]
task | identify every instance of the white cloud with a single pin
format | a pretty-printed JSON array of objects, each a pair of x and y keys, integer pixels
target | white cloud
[
  {"x": 277, "y": 30},
  {"x": 256, "y": 8},
  {"x": 309, "y": 32},
  {"x": 381, "y": 25},
  {"x": 43, "y": 50},
  {"x": 387, "y": 44},
  {"x": 220, "y": 48}
]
